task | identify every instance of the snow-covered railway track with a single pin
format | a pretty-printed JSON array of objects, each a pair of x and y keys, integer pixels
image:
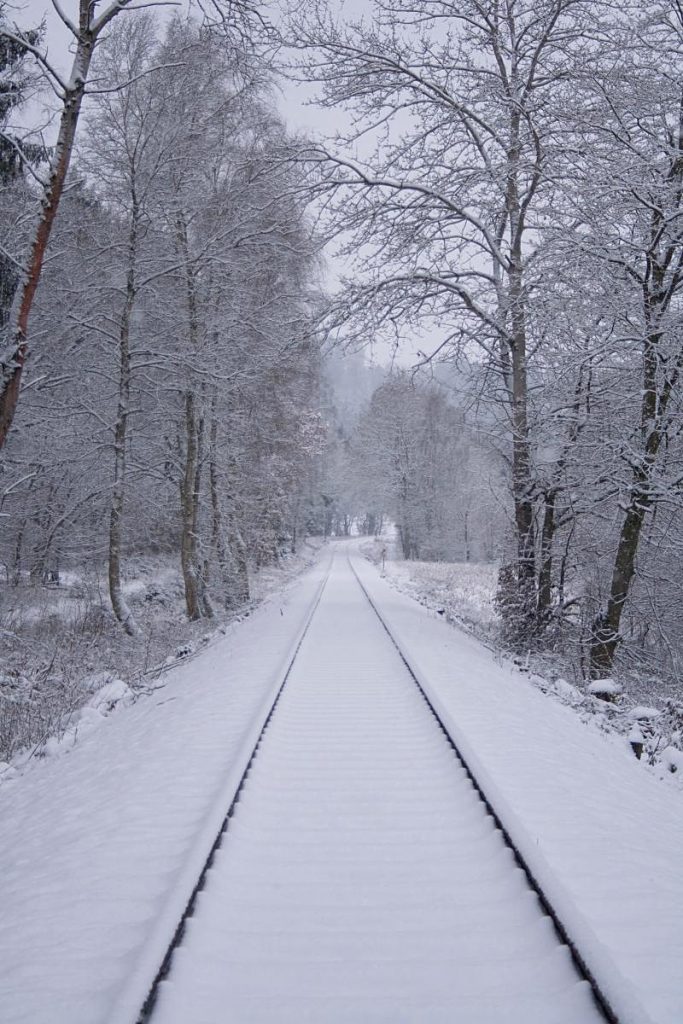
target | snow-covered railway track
[{"x": 361, "y": 874}]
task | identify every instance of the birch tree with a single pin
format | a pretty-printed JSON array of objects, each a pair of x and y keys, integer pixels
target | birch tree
[
  {"x": 125, "y": 153},
  {"x": 86, "y": 28}
]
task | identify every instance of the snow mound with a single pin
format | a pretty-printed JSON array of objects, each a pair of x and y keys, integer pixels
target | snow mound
[
  {"x": 570, "y": 694},
  {"x": 641, "y": 714},
  {"x": 108, "y": 696},
  {"x": 7, "y": 771},
  {"x": 673, "y": 759},
  {"x": 105, "y": 699},
  {"x": 605, "y": 688}
]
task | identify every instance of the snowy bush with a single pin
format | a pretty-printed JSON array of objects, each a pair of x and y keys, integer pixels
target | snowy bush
[{"x": 33, "y": 708}]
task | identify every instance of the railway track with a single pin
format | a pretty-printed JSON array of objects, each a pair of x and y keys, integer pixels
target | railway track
[{"x": 360, "y": 873}]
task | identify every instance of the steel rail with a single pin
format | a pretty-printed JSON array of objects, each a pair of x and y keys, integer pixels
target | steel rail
[
  {"x": 580, "y": 962},
  {"x": 165, "y": 966}
]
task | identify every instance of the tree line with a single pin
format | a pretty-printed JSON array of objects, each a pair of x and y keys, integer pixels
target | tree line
[
  {"x": 169, "y": 390},
  {"x": 512, "y": 186}
]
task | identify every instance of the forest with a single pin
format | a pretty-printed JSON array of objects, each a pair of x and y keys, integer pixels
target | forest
[{"x": 453, "y": 319}]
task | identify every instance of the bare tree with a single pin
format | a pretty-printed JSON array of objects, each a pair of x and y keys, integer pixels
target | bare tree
[
  {"x": 123, "y": 152},
  {"x": 447, "y": 207},
  {"x": 231, "y": 16},
  {"x": 630, "y": 230}
]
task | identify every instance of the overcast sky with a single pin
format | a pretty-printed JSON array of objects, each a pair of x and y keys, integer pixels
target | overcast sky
[
  {"x": 299, "y": 113},
  {"x": 296, "y": 101}
]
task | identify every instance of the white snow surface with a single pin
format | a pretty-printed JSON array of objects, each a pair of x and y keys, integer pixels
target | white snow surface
[
  {"x": 100, "y": 842},
  {"x": 464, "y": 590},
  {"x": 609, "y": 687},
  {"x": 642, "y": 714},
  {"x": 361, "y": 879},
  {"x": 603, "y": 835},
  {"x": 97, "y": 842}
]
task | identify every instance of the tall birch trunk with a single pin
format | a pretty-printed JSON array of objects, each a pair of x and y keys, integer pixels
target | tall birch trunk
[
  {"x": 86, "y": 33},
  {"x": 188, "y": 503},
  {"x": 118, "y": 602},
  {"x": 522, "y": 482}
]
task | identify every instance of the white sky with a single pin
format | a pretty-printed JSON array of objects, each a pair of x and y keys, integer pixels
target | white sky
[{"x": 294, "y": 97}]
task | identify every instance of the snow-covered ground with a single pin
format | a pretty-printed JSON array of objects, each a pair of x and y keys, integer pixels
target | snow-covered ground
[
  {"x": 464, "y": 591},
  {"x": 602, "y": 831},
  {"x": 60, "y": 643},
  {"x": 642, "y": 709},
  {"x": 95, "y": 840},
  {"x": 98, "y": 842}
]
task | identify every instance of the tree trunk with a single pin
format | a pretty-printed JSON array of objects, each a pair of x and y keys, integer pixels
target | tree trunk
[
  {"x": 218, "y": 548},
  {"x": 188, "y": 503},
  {"x": 238, "y": 549},
  {"x": 13, "y": 362},
  {"x": 118, "y": 602},
  {"x": 189, "y": 488},
  {"x": 522, "y": 483},
  {"x": 16, "y": 571},
  {"x": 545, "y": 574},
  {"x": 466, "y": 526},
  {"x": 202, "y": 576},
  {"x": 606, "y": 635}
]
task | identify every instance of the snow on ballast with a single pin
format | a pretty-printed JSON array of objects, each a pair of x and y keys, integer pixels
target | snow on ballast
[{"x": 362, "y": 877}]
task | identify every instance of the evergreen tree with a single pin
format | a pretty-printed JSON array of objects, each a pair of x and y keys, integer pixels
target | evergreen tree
[{"x": 14, "y": 152}]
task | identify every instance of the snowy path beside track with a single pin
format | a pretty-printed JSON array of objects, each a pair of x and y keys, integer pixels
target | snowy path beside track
[
  {"x": 94, "y": 842},
  {"x": 361, "y": 878}
]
